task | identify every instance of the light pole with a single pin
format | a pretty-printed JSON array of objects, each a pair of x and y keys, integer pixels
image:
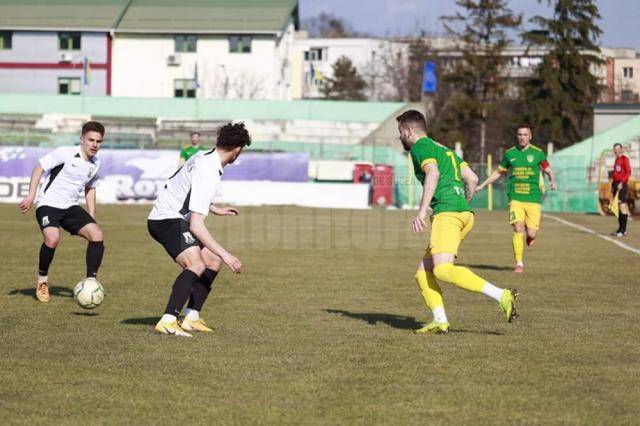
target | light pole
[{"x": 225, "y": 85}]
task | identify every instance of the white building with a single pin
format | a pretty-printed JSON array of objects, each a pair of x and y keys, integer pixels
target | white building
[
  {"x": 207, "y": 51},
  {"x": 384, "y": 65},
  {"x": 313, "y": 59},
  {"x": 622, "y": 75},
  {"x": 149, "y": 48}
]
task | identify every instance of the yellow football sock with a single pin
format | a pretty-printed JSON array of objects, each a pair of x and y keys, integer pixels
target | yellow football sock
[
  {"x": 429, "y": 289},
  {"x": 460, "y": 276},
  {"x": 518, "y": 245}
]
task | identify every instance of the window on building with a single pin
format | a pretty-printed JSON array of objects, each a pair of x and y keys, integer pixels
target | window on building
[
  {"x": 315, "y": 54},
  {"x": 240, "y": 44},
  {"x": 68, "y": 86},
  {"x": 5, "y": 40},
  {"x": 186, "y": 42},
  {"x": 184, "y": 88},
  {"x": 69, "y": 41},
  {"x": 627, "y": 96},
  {"x": 627, "y": 72}
]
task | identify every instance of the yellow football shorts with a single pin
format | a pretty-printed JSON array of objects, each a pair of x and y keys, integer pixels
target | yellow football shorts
[
  {"x": 529, "y": 213},
  {"x": 448, "y": 230}
]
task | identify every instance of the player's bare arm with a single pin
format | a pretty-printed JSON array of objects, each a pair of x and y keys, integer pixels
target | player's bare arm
[
  {"x": 432, "y": 174},
  {"x": 470, "y": 181},
  {"x": 90, "y": 198},
  {"x": 224, "y": 211},
  {"x": 552, "y": 178},
  {"x": 491, "y": 179},
  {"x": 200, "y": 231},
  {"x": 27, "y": 202}
]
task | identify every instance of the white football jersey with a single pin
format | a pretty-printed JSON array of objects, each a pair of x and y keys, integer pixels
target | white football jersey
[
  {"x": 192, "y": 188},
  {"x": 67, "y": 176}
]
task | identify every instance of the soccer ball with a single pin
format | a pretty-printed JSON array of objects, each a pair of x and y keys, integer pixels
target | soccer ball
[{"x": 89, "y": 293}]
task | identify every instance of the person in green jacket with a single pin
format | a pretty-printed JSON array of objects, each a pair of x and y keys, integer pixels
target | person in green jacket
[{"x": 189, "y": 150}]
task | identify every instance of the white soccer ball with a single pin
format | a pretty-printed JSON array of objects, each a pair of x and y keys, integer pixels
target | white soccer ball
[{"x": 89, "y": 293}]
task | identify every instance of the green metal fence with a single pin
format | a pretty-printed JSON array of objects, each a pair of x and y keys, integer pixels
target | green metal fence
[{"x": 574, "y": 194}]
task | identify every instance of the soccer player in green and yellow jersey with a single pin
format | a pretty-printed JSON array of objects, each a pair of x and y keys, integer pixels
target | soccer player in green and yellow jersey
[
  {"x": 190, "y": 150},
  {"x": 523, "y": 164},
  {"x": 444, "y": 177}
]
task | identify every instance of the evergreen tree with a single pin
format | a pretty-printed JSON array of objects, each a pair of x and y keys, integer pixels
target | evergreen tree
[
  {"x": 346, "y": 84},
  {"x": 561, "y": 94},
  {"x": 476, "y": 81}
]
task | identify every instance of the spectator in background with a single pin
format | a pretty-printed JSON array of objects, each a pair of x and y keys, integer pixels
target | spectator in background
[
  {"x": 189, "y": 150},
  {"x": 619, "y": 186}
]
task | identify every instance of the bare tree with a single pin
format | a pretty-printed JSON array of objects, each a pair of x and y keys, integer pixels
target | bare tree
[
  {"x": 327, "y": 25},
  {"x": 247, "y": 85}
]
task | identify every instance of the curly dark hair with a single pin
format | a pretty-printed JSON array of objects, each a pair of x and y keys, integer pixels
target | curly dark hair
[
  {"x": 92, "y": 126},
  {"x": 233, "y": 135}
]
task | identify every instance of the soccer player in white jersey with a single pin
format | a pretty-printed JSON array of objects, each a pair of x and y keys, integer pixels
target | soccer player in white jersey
[
  {"x": 71, "y": 170},
  {"x": 177, "y": 222}
]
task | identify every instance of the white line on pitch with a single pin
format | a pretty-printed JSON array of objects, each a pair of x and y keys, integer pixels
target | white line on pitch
[{"x": 590, "y": 231}]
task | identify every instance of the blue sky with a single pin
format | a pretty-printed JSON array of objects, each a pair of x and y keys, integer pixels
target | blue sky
[{"x": 620, "y": 18}]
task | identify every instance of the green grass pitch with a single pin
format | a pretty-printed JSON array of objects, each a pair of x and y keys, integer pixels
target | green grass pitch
[{"x": 318, "y": 327}]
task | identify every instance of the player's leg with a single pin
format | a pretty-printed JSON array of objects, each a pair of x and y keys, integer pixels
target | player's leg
[
  {"x": 95, "y": 248},
  {"x": 193, "y": 266},
  {"x": 432, "y": 296},
  {"x": 532, "y": 221},
  {"x": 184, "y": 249},
  {"x": 48, "y": 220},
  {"x": 457, "y": 226},
  {"x": 516, "y": 219},
  {"x": 449, "y": 230},
  {"x": 51, "y": 238},
  {"x": 200, "y": 291},
  {"x": 77, "y": 221},
  {"x": 623, "y": 214}
]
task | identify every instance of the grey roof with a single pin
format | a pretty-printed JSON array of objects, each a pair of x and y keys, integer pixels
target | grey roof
[{"x": 152, "y": 16}]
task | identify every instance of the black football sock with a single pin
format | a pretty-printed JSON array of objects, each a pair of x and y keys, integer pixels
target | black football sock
[
  {"x": 95, "y": 251},
  {"x": 623, "y": 222},
  {"x": 46, "y": 257},
  {"x": 201, "y": 289},
  {"x": 181, "y": 292}
]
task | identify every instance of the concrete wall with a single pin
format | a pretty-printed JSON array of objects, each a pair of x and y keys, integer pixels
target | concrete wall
[
  {"x": 628, "y": 83},
  {"x": 42, "y": 47},
  {"x": 46, "y": 81},
  {"x": 140, "y": 66},
  {"x": 368, "y": 56},
  {"x": 607, "y": 117},
  {"x": 38, "y": 51}
]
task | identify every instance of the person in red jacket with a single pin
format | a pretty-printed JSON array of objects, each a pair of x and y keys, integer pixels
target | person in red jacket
[{"x": 621, "y": 175}]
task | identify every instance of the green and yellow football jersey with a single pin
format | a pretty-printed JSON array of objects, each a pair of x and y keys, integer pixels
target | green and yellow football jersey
[
  {"x": 523, "y": 166},
  {"x": 449, "y": 195}
]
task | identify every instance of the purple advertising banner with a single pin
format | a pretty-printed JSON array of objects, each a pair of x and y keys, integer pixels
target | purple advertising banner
[
  {"x": 275, "y": 167},
  {"x": 138, "y": 174}
]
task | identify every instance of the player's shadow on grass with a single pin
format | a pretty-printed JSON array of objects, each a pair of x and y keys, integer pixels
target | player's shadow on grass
[
  {"x": 488, "y": 267},
  {"x": 398, "y": 321},
  {"x": 141, "y": 321},
  {"x": 395, "y": 321},
  {"x": 55, "y": 291},
  {"x": 86, "y": 314}
]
